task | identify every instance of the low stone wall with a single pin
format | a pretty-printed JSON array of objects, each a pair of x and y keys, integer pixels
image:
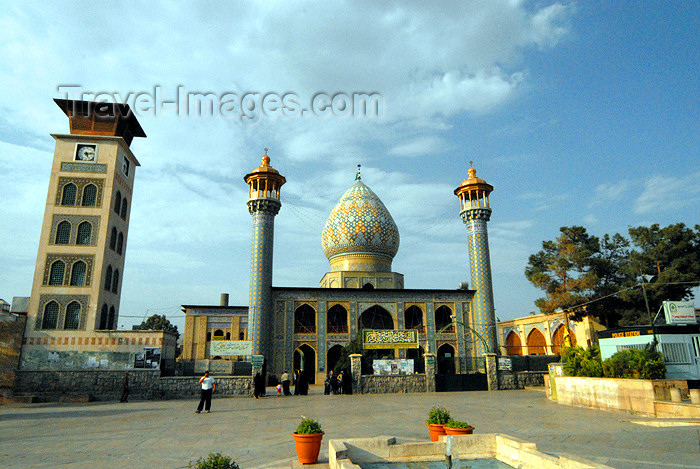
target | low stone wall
[
  {"x": 393, "y": 384},
  {"x": 107, "y": 385},
  {"x": 632, "y": 395},
  {"x": 518, "y": 380}
]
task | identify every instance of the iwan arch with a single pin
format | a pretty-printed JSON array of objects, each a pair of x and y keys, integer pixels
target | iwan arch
[{"x": 305, "y": 327}]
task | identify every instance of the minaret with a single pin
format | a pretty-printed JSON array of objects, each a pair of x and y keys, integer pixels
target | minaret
[
  {"x": 475, "y": 211},
  {"x": 264, "y": 185}
]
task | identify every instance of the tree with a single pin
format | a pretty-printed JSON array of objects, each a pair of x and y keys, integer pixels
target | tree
[
  {"x": 601, "y": 277},
  {"x": 159, "y": 323}
]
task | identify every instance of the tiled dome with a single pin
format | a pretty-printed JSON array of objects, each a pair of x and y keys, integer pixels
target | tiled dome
[{"x": 360, "y": 232}]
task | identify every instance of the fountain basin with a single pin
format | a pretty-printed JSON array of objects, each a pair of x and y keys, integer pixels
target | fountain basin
[{"x": 362, "y": 453}]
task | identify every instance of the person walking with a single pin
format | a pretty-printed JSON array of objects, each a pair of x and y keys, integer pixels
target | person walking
[
  {"x": 340, "y": 380},
  {"x": 285, "y": 383},
  {"x": 258, "y": 385},
  {"x": 208, "y": 388},
  {"x": 125, "y": 388}
]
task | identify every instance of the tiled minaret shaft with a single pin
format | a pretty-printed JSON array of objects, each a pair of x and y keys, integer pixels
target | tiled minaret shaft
[
  {"x": 475, "y": 211},
  {"x": 264, "y": 185}
]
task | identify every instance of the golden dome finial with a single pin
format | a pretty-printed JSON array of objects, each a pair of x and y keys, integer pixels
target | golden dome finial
[
  {"x": 471, "y": 170},
  {"x": 266, "y": 159}
]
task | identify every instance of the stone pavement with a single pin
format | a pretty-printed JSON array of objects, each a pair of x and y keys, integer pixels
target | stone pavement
[{"x": 257, "y": 433}]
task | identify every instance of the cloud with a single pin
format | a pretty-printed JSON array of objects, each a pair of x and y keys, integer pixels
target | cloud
[
  {"x": 418, "y": 147},
  {"x": 665, "y": 193},
  {"x": 609, "y": 192}
]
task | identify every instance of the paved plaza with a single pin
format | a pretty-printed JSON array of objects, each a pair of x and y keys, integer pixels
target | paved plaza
[{"x": 257, "y": 433}]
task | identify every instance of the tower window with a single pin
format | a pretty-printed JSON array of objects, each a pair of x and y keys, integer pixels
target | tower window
[
  {"x": 58, "y": 269},
  {"x": 120, "y": 243},
  {"x": 113, "y": 239},
  {"x": 304, "y": 320},
  {"x": 443, "y": 319},
  {"x": 115, "y": 281},
  {"x": 111, "y": 318},
  {"x": 77, "y": 274},
  {"x": 117, "y": 202},
  {"x": 69, "y": 193},
  {"x": 63, "y": 233},
  {"x": 50, "y": 319},
  {"x": 124, "y": 205},
  {"x": 108, "y": 278},
  {"x": 72, "y": 316},
  {"x": 103, "y": 317},
  {"x": 89, "y": 195},
  {"x": 84, "y": 233}
]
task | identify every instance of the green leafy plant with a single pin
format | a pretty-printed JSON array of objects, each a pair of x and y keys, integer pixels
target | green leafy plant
[
  {"x": 308, "y": 426},
  {"x": 582, "y": 362},
  {"x": 452, "y": 423},
  {"x": 647, "y": 363},
  {"x": 214, "y": 461},
  {"x": 438, "y": 416}
]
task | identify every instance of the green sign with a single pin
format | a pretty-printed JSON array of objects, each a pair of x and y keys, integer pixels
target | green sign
[{"x": 386, "y": 338}]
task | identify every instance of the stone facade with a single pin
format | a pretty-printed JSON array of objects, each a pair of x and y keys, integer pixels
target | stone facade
[
  {"x": 107, "y": 385},
  {"x": 394, "y": 384}
]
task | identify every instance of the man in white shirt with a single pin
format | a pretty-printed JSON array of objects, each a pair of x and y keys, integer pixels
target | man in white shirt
[{"x": 208, "y": 387}]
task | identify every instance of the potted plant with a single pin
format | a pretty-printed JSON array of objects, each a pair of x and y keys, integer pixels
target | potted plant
[
  {"x": 437, "y": 418},
  {"x": 307, "y": 439},
  {"x": 458, "y": 427}
]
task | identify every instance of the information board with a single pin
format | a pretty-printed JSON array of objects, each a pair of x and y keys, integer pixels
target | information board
[{"x": 387, "y": 338}]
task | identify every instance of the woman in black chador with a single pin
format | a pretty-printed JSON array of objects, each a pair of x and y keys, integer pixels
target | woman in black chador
[{"x": 258, "y": 385}]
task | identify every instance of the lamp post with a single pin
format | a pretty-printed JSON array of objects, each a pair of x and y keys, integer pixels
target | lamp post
[{"x": 647, "y": 279}]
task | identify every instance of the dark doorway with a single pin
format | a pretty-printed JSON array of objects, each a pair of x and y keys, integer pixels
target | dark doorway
[
  {"x": 333, "y": 356},
  {"x": 305, "y": 359},
  {"x": 416, "y": 354},
  {"x": 446, "y": 359}
]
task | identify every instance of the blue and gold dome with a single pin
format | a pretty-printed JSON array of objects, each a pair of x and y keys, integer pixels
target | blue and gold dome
[{"x": 360, "y": 234}]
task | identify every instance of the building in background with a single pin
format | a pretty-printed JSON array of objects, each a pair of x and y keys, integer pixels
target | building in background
[{"x": 545, "y": 334}]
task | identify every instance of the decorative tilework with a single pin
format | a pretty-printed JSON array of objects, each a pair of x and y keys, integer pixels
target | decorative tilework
[
  {"x": 69, "y": 260},
  {"x": 84, "y": 167},
  {"x": 80, "y": 184},
  {"x": 63, "y": 301},
  {"x": 360, "y": 224},
  {"x": 75, "y": 220}
]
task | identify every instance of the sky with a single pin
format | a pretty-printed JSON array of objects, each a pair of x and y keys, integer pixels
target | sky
[{"x": 578, "y": 113}]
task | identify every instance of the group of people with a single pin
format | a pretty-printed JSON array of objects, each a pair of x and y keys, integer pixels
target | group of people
[
  {"x": 334, "y": 384},
  {"x": 300, "y": 381}
]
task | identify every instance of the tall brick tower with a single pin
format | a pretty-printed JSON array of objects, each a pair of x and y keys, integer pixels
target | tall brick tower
[
  {"x": 80, "y": 264},
  {"x": 264, "y": 184},
  {"x": 475, "y": 211}
]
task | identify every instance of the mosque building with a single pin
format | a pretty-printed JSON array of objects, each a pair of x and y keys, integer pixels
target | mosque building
[{"x": 306, "y": 327}]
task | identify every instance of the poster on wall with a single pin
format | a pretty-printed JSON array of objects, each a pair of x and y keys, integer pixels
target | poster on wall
[
  {"x": 680, "y": 312},
  {"x": 149, "y": 358},
  {"x": 393, "y": 367}
]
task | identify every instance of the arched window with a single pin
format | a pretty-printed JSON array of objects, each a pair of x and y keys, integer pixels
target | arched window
[
  {"x": 219, "y": 333},
  {"x": 89, "y": 195},
  {"x": 337, "y": 320},
  {"x": 559, "y": 339},
  {"x": 72, "y": 315},
  {"x": 413, "y": 318},
  {"x": 513, "y": 344},
  {"x": 117, "y": 202},
  {"x": 228, "y": 336},
  {"x": 443, "y": 319},
  {"x": 103, "y": 317},
  {"x": 84, "y": 233},
  {"x": 63, "y": 233},
  {"x": 376, "y": 317},
  {"x": 208, "y": 336},
  {"x": 69, "y": 192},
  {"x": 58, "y": 268},
  {"x": 113, "y": 239},
  {"x": 77, "y": 274},
  {"x": 110, "y": 318},
  {"x": 120, "y": 243},
  {"x": 536, "y": 345},
  {"x": 304, "y": 320},
  {"x": 50, "y": 319},
  {"x": 124, "y": 204},
  {"x": 115, "y": 281},
  {"x": 108, "y": 278},
  {"x": 367, "y": 287}
]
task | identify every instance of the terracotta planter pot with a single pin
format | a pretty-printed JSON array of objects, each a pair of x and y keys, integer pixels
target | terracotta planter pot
[
  {"x": 308, "y": 447},
  {"x": 459, "y": 431},
  {"x": 436, "y": 429}
]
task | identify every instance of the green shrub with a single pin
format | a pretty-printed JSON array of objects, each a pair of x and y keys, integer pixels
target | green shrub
[
  {"x": 647, "y": 363},
  {"x": 308, "y": 426},
  {"x": 582, "y": 362},
  {"x": 452, "y": 423},
  {"x": 438, "y": 415},
  {"x": 214, "y": 461}
]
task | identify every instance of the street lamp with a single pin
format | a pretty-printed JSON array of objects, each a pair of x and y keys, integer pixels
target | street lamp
[{"x": 647, "y": 279}]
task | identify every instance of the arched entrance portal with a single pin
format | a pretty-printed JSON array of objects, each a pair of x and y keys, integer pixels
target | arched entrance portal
[
  {"x": 536, "y": 345},
  {"x": 376, "y": 317},
  {"x": 446, "y": 359},
  {"x": 333, "y": 356},
  {"x": 513, "y": 344},
  {"x": 305, "y": 359},
  {"x": 559, "y": 339}
]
